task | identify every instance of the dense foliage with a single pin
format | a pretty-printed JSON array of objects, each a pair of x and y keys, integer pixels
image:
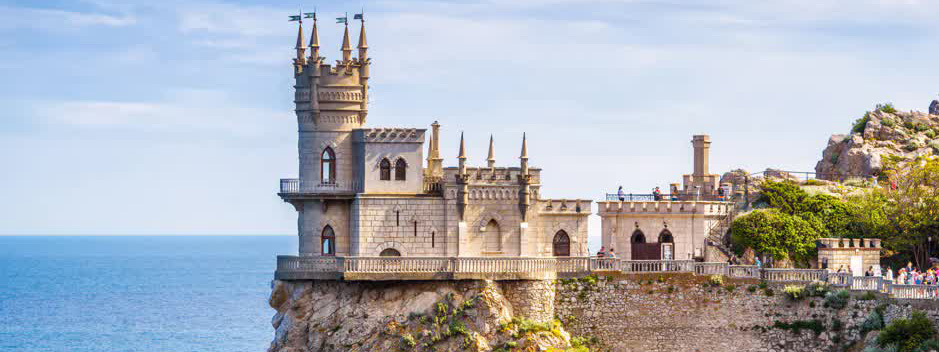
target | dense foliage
[
  {"x": 790, "y": 222},
  {"x": 907, "y": 334}
]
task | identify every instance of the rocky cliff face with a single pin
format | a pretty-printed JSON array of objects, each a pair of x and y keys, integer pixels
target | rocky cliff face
[
  {"x": 395, "y": 316},
  {"x": 882, "y": 134}
]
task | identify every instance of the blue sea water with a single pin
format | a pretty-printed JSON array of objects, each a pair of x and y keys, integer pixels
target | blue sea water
[{"x": 137, "y": 293}]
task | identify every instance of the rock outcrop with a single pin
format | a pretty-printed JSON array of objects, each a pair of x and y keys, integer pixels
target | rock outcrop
[
  {"x": 934, "y": 107},
  {"x": 881, "y": 135},
  {"x": 395, "y": 316}
]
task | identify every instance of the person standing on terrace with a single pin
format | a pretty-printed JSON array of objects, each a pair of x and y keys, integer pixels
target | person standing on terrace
[{"x": 619, "y": 193}]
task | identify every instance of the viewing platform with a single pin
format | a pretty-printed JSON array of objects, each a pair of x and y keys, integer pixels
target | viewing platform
[
  {"x": 292, "y": 189},
  {"x": 666, "y": 197},
  {"x": 549, "y": 268}
]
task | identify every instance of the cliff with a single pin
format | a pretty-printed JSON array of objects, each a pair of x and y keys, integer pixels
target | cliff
[
  {"x": 880, "y": 135},
  {"x": 395, "y": 316},
  {"x": 631, "y": 313}
]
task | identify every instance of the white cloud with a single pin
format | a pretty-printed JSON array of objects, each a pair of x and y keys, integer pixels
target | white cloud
[
  {"x": 51, "y": 19},
  {"x": 180, "y": 111}
]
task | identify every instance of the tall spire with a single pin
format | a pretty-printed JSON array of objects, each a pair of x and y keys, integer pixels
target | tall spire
[
  {"x": 346, "y": 47},
  {"x": 363, "y": 45},
  {"x": 492, "y": 154},
  {"x": 524, "y": 157},
  {"x": 524, "y": 147},
  {"x": 314, "y": 41},
  {"x": 462, "y": 156},
  {"x": 301, "y": 46}
]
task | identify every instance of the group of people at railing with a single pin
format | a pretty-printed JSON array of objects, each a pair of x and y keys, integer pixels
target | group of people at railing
[{"x": 675, "y": 195}]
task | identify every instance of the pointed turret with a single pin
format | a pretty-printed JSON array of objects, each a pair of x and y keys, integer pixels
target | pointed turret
[
  {"x": 301, "y": 46},
  {"x": 524, "y": 156},
  {"x": 462, "y": 156},
  {"x": 363, "y": 45},
  {"x": 314, "y": 41},
  {"x": 346, "y": 47},
  {"x": 492, "y": 153}
]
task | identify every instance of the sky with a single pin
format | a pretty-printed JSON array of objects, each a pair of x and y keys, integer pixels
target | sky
[{"x": 175, "y": 117}]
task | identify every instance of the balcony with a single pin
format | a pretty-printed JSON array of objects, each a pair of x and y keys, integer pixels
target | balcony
[
  {"x": 665, "y": 197},
  {"x": 292, "y": 188}
]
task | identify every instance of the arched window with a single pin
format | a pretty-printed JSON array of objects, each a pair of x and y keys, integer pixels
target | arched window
[
  {"x": 562, "y": 244},
  {"x": 384, "y": 170},
  {"x": 666, "y": 236},
  {"x": 328, "y": 241},
  {"x": 328, "y": 166},
  {"x": 389, "y": 252},
  {"x": 401, "y": 169},
  {"x": 638, "y": 237}
]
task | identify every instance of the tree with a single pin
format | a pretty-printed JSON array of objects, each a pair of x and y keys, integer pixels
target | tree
[
  {"x": 777, "y": 234},
  {"x": 910, "y": 199}
]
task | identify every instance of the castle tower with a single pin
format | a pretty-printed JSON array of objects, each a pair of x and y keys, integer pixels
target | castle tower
[
  {"x": 700, "y": 182},
  {"x": 434, "y": 161},
  {"x": 330, "y": 103}
]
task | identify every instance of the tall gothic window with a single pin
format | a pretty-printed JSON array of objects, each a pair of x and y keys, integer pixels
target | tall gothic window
[
  {"x": 401, "y": 169},
  {"x": 328, "y": 166},
  {"x": 328, "y": 241},
  {"x": 384, "y": 170}
]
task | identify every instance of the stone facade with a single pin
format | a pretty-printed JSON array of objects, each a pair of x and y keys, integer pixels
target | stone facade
[
  {"x": 364, "y": 191},
  {"x": 678, "y": 224},
  {"x": 853, "y": 254}
]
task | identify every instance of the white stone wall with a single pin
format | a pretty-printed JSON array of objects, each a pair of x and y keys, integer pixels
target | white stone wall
[
  {"x": 311, "y": 147},
  {"x": 313, "y": 219},
  {"x": 388, "y": 222},
  {"x": 373, "y": 153}
]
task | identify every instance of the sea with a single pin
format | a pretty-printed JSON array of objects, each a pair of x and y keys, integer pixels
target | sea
[{"x": 137, "y": 293}]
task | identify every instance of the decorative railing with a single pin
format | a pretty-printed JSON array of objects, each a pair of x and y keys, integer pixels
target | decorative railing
[
  {"x": 794, "y": 275},
  {"x": 633, "y": 197},
  {"x": 295, "y": 186},
  {"x": 308, "y": 264},
  {"x": 512, "y": 267}
]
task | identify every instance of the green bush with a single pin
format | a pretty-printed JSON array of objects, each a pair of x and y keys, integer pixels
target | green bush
[
  {"x": 837, "y": 299},
  {"x": 907, "y": 334},
  {"x": 867, "y": 296},
  {"x": 763, "y": 285},
  {"x": 794, "y": 292},
  {"x": 861, "y": 123},
  {"x": 912, "y": 145},
  {"x": 716, "y": 280},
  {"x": 888, "y": 122},
  {"x": 768, "y": 292},
  {"x": 928, "y": 346},
  {"x": 408, "y": 340},
  {"x": 873, "y": 322},
  {"x": 935, "y": 146},
  {"x": 887, "y": 107},
  {"x": 751, "y": 288},
  {"x": 817, "y": 289}
]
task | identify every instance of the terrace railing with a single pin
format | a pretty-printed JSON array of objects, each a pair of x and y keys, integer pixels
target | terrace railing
[
  {"x": 649, "y": 197},
  {"x": 520, "y": 267},
  {"x": 293, "y": 186}
]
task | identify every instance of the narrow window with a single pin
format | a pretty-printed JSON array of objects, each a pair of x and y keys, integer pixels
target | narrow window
[
  {"x": 415, "y": 229},
  {"x": 328, "y": 166},
  {"x": 384, "y": 172},
  {"x": 433, "y": 236},
  {"x": 328, "y": 241},
  {"x": 397, "y": 218},
  {"x": 401, "y": 170}
]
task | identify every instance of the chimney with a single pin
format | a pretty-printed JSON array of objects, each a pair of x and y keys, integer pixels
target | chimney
[{"x": 702, "y": 147}]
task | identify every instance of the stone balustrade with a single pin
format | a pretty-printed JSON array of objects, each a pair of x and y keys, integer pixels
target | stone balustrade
[
  {"x": 850, "y": 243},
  {"x": 549, "y": 268},
  {"x": 294, "y": 187}
]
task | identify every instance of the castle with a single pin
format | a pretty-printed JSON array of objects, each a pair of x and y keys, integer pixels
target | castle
[{"x": 363, "y": 192}]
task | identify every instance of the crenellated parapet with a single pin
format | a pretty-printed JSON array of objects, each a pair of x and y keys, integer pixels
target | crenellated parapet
[
  {"x": 564, "y": 206},
  {"x": 664, "y": 207},
  {"x": 390, "y": 135}
]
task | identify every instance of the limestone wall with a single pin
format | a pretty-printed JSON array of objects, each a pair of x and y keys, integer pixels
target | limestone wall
[{"x": 381, "y": 222}]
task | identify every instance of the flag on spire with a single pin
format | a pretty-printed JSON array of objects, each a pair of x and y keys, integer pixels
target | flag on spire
[
  {"x": 358, "y": 16},
  {"x": 309, "y": 15},
  {"x": 344, "y": 19},
  {"x": 294, "y": 18}
]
